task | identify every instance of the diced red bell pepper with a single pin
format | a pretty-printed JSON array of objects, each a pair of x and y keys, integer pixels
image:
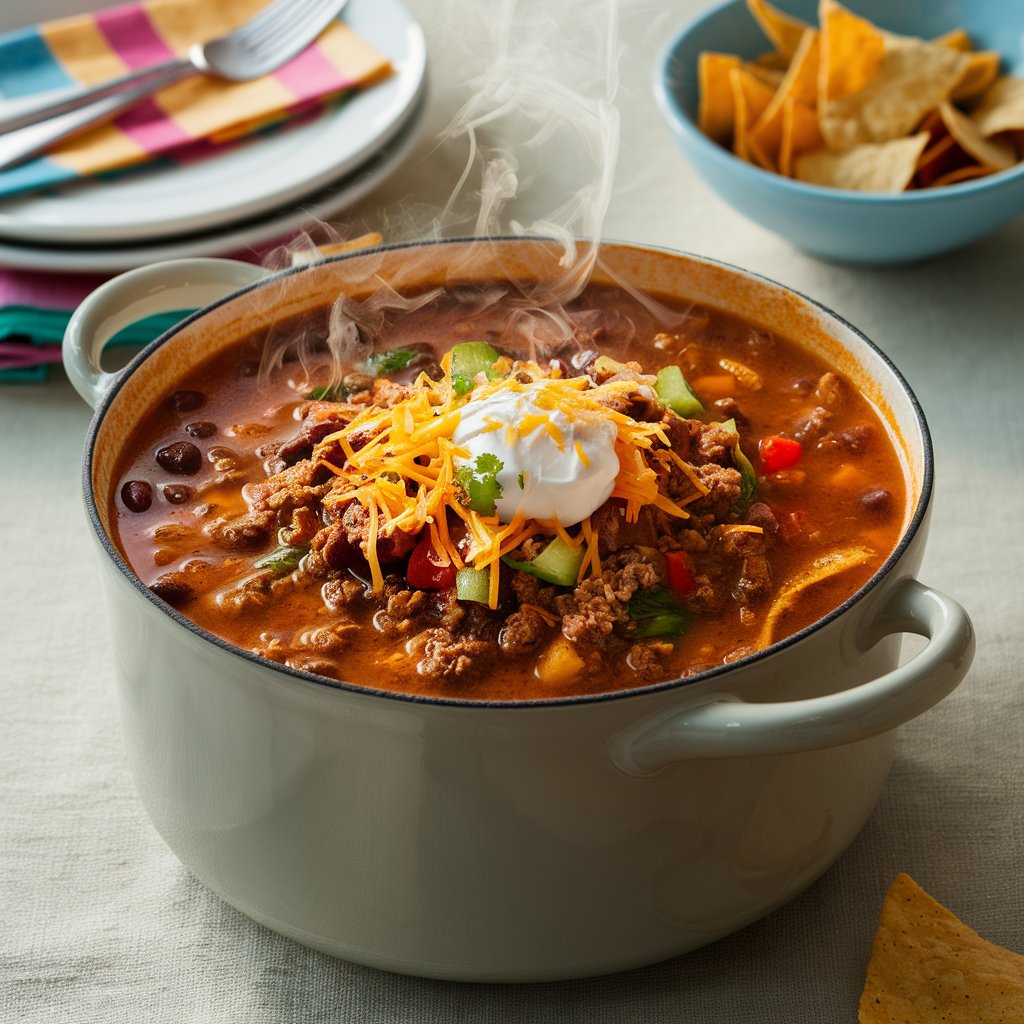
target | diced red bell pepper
[
  {"x": 427, "y": 569},
  {"x": 681, "y": 580},
  {"x": 779, "y": 453}
]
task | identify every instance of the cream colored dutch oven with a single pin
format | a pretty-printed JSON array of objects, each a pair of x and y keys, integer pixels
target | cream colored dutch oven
[{"x": 504, "y": 842}]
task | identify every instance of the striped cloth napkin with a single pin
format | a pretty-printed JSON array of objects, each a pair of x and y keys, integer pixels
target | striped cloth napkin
[
  {"x": 190, "y": 119},
  {"x": 35, "y": 309}
]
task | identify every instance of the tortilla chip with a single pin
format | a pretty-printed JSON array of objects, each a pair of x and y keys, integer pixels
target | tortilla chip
[
  {"x": 852, "y": 50},
  {"x": 772, "y": 61},
  {"x": 801, "y": 84},
  {"x": 767, "y": 76},
  {"x": 800, "y": 133},
  {"x": 783, "y": 30},
  {"x": 821, "y": 570},
  {"x": 913, "y": 78},
  {"x": 827, "y": 103},
  {"x": 801, "y": 78},
  {"x": 981, "y": 71},
  {"x": 764, "y": 142},
  {"x": 870, "y": 167},
  {"x": 997, "y": 154},
  {"x": 717, "y": 109},
  {"x": 933, "y": 124},
  {"x": 967, "y": 173},
  {"x": 957, "y": 39},
  {"x": 1001, "y": 108},
  {"x": 751, "y": 97},
  {"x": 926, "y": 965},
  {"x": 938, "y": 159}
]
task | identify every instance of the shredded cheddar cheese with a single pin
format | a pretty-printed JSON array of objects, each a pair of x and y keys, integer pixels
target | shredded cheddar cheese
[{"x": 400, "y": 465}]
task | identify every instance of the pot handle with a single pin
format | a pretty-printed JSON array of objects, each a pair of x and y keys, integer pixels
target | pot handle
[
  {"x": 729, "y": 727},
  {"x": 160, "y": 288}
]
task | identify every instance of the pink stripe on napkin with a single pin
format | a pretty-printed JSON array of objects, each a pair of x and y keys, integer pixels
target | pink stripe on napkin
[
  {"x": 151, "y": 128},
  {"x": 311, "y": 75},
  {"x": 133, "y": 38},
  {"x": 45, "y": 291}
]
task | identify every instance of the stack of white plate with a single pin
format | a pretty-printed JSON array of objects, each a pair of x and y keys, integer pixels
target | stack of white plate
[{"x": 254, "y": 193}]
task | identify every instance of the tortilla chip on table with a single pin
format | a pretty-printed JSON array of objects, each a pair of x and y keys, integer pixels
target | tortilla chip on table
[{"x": 927, "y": 966}]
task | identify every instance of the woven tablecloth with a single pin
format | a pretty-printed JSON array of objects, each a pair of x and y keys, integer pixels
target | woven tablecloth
[{"x": 100, "y": 923}]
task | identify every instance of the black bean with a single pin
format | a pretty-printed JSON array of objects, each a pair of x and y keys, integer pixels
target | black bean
[
  {"x": 182, "y": 458},
  {"x": 137, "y": 495},
  {"x": 201, "y": 428},
  {"x": 878, "y": 502},
  {"x": 339, "y": 552},
  {"x": 187, "y": 401},
  {"x": 178, "y": 494},
  {"x": 172, "y": 589},
  {"x": 857, "y": 439},
  {"x": 729, "y": 409}
]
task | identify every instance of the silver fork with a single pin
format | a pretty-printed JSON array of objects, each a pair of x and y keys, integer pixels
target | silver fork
[{"x": 273, "y": 37}]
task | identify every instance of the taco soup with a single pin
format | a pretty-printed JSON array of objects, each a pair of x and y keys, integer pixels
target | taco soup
[{"x": 459, "y": 512}]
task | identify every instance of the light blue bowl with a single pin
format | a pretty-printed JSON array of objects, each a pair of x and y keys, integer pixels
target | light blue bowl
[{"x": 849, "y": 227}]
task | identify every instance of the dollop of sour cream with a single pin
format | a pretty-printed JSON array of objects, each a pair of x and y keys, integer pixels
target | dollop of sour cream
[{"x": 553, "y": 467}]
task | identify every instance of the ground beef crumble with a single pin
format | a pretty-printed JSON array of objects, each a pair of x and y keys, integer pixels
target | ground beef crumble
[
  {"x": 598, "y": 604},
  {"x": 452, "y": 640}
]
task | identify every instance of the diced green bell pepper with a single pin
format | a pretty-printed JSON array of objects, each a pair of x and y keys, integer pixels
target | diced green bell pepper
[
  {"x": 748, "y": 475},
  {"x": 470, "y": 358},
  {"x": 657, "y": 613},
  {"x": 473, "y": 584},
  {"x": 558, "y": 563},
  {"x": 675, "y": 393}
]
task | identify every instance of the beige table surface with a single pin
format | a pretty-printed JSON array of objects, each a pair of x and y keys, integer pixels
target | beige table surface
[{"x": 99, "y": 922}]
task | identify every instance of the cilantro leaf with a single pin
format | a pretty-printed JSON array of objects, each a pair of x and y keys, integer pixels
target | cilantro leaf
[
  {"x": 480, "y": 483},
  {"x": 380, "y": 364},
  {"x": 489, "y": 464},
  {"x": 328, "y": 394},
  {"x": 521, "y": 480},
  {"x": 284, "y": 559}
]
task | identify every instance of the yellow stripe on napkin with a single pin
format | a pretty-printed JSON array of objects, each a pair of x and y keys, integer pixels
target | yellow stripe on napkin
[
  {"x": 352, "y": 57},
  {"x": 184, "y": 22},
  {"x": 85, "y": 54},
  {"x": 197, "y": 104}
]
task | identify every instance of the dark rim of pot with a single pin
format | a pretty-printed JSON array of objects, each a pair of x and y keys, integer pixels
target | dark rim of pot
[{"x": 591, "y": 698}]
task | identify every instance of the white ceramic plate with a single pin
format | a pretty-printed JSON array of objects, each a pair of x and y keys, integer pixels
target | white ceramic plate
[
  {"x": 260, "y": 175},
  {"x": 229, "y": 241}
]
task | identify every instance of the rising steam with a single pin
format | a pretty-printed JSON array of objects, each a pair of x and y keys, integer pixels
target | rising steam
[
  {"x": 544, "y": 105},
  {"x": 541, "y": 85}
]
